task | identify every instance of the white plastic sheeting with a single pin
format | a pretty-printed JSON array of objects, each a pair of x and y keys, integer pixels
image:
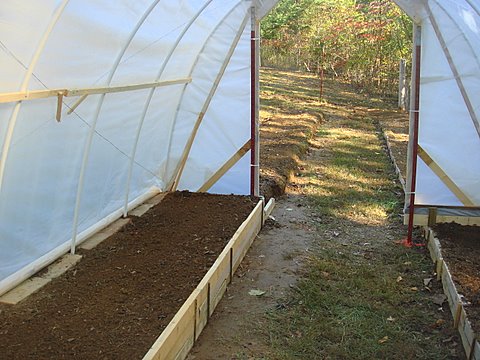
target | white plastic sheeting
[
  {"x": 63, "y": 180},
  {"x": 449, "y": 128}
]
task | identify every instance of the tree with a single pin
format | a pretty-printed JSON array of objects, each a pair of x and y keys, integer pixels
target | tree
[{"x": 360, "y": 40}]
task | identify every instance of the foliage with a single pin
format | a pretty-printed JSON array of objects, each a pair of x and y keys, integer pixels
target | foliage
[{"x": 360, "y": 40}]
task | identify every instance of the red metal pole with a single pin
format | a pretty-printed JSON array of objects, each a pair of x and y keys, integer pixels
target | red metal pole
[
  {"x": 416, "y": 116},
  {"x": 253, "y": 110}
]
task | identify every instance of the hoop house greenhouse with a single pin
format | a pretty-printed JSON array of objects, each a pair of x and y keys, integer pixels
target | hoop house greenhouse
[{"x": 105, "y": 103}]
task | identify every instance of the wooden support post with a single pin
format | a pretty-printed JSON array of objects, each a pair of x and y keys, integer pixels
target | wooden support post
[
  {"x": 89, "y": 140},
  {"x": 453, "y": 66},
  {"x": 180, "y": 101},
  {"x": 76, "y": 104},
  {"x": 443, "y": 176},
  {"x": 439, "y": 268},
  {"x": 12, "y": 122},
  {"x": 58, "y": 116},
  {"x": 458, "y": 314},
  {"x": 148, "y": 101},
  {"x": 432, "y": 216},
  {"x": 225, "y": 167},
  {"x": 174, "y": 181}
]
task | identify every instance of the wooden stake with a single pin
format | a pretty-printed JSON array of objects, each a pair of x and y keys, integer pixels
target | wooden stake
[
  {"x": 432, "y": 216},
  {"x": 59, "y": 106},
  {"x": 439, "y": 268},
  {"x": 458, "y": 314}
]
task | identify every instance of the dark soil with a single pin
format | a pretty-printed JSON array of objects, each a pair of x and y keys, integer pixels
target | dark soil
[
  {"x": 119, "y": 298},
  {"x": 461, "y": 250}
]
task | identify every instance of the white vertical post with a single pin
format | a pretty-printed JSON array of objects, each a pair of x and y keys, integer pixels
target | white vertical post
[
  {"x": 26, "y": 80},
  {"x": 169, "y": 146},
  {"x": 412, "y": 156},
  {"x": 149, "y": 99},
  {"x": 255, "y": 103},
  {"x": 173, "y": 183}
]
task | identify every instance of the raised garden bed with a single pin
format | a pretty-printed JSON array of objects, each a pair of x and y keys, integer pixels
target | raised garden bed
[
  {"x": 122, "y": 295},
  {"x": 455, "y": 250}
]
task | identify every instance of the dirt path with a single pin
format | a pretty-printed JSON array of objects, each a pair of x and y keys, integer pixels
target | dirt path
[
  {"x": 236, "y": 330},
  {"x": 335, "y": 285}
]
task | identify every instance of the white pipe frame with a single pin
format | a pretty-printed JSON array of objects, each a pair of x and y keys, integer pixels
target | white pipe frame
[
  {"x": 451, "y": 63},
  {"x": 26, "y": 80},
  {"x": 32, "y": 268},
  {"x": 212, "y": 33},
  {"x": 149, "y": 99},
  {"x": 181, "y": 166},
  {"x": 93, "y": 126}
]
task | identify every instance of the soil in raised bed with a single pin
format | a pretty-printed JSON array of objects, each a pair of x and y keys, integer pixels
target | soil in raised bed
[
  {"x": 461, "y": 250},
  {"x": 123, "y": 293}
]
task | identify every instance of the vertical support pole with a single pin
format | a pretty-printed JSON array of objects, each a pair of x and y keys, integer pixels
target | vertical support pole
[
  {"x": 88, "y": 143},
  {"x": 432, "y": 216},
  {"x": 148, "y": 101},
  {"x": 402, "y": 85},
  {"x": 254, "y": 104},
  {"x": 413, "y": 132},
  {"x": 12, "y": 122}
]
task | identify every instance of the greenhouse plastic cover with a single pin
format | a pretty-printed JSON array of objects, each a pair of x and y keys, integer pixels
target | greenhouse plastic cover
[
  {"x": 449, "y": 129},
  {"x": 59, "y": 180}
]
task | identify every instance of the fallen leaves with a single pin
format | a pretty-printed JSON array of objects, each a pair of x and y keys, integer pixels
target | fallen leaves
[
  {"x": 383, "y": 340},
  {"x": 256, "y": 292}
]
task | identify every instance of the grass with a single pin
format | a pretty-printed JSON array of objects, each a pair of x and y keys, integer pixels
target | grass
[{"x": 361, "y": 297}]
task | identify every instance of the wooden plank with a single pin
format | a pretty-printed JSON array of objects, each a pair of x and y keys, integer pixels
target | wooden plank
[
  {"x": 225, "y": 167},
  {"x": 443, "y": 176},
  {"x": 103, "y": 234},
  {"x": 178, "y": 337},
  {"x": 267, "y": 211},
  {"x": 245, "y": 235},
  {"x": 58, "y": 116},
  {"x": 24, "y": 290},
  {"x": 457, "y": 309},
  {"x": 422, "y": 220},
  {"x": 202, "y": 309},
  {"x": 450, "y": 289},
  {"x": 219, "y": 280},
  {"x": 61, "y": 266},
  {"x": 452, "y": 64},
  {"x": 177, "y": 174},
  {"x": 42, "y": 94}
]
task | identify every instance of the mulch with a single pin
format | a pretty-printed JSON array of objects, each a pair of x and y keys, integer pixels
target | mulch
[{"x": 123, "y": 293}]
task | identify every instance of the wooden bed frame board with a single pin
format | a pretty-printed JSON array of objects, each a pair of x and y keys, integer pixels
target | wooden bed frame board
[
  {"x": 178, "y": 338},
  {"x": 467, "y": 335},
  {"x": 422, "y": 220}
]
